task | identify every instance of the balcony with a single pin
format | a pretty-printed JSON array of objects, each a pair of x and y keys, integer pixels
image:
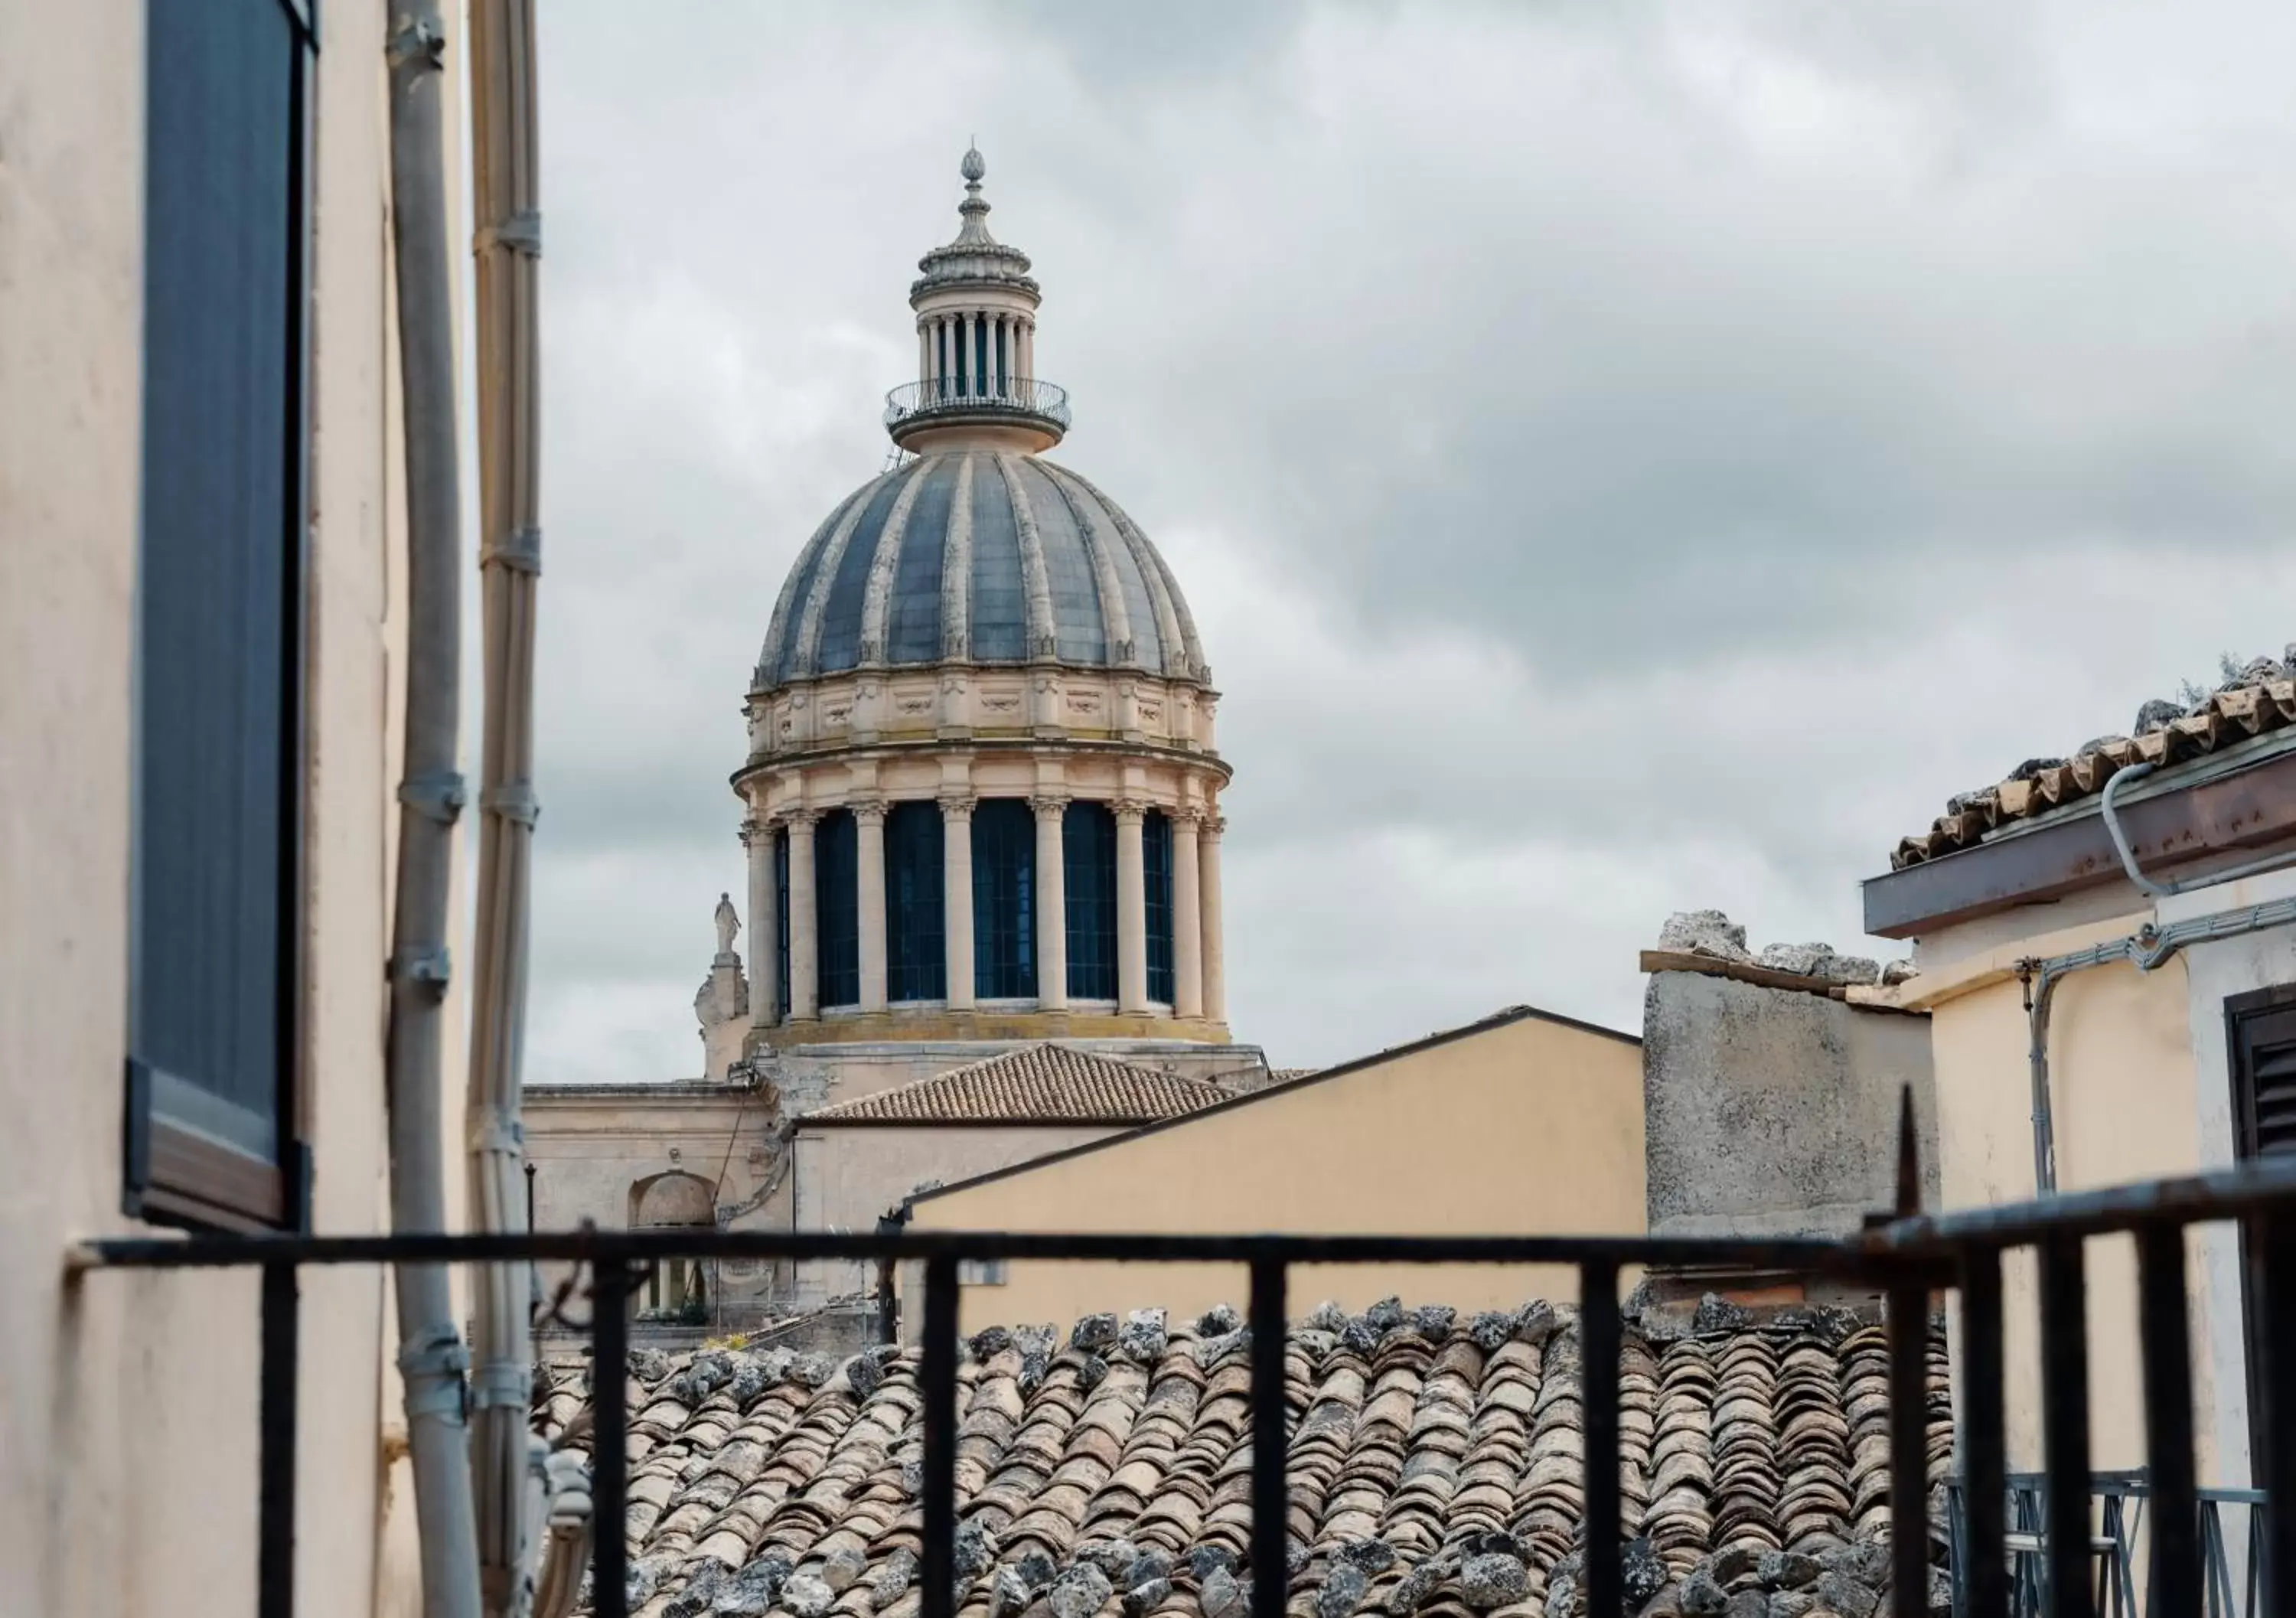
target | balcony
[{"x": 1033, "y": 412}]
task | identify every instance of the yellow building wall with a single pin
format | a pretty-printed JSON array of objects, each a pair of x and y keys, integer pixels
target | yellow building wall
[
  {"x": 1532, "y": 1125},
  {"x": 127, "y": 1400},
  {"x": 2122, "y": 1093}
]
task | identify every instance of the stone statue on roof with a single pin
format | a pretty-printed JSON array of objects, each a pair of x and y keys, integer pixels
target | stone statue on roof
[{"x": 728, "y": 924}]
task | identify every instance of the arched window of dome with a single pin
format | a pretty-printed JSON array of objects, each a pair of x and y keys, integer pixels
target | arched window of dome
[
  {"x": 916, "y": 964},
  {"x": 837, "y": 908},
  {"x": 1156, "y": 867},
  {"x": 1089, "y": 868},
  {"x": 1004, "y": 899}
]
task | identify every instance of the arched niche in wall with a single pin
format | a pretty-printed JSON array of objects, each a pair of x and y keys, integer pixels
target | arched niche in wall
[{"x": 677, "y": 1290}]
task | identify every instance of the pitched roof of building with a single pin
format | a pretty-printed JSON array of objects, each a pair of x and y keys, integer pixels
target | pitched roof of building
[
  {"x": 1119, "y": 1464},
  {"x": 1042, "y": 1083},
  {"x": 2262, "y": 698}
]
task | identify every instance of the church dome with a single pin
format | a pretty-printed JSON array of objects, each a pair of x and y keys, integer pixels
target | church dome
[{"x": 979, "y": 556}]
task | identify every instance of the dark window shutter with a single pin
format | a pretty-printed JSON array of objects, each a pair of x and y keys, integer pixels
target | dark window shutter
[
  {"x": 2264, "y": 1068},
  {"x": 219, "y": 584}
]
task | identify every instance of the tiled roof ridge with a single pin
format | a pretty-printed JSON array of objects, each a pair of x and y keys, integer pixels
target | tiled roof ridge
[
  {"x": 2261, "y": 698},
  {"x": 1434, "y": 1468},
  {"x": 1039, "y": 1082}
]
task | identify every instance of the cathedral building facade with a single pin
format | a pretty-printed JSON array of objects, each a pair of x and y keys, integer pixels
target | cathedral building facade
[{"x": 980, "y": 806}]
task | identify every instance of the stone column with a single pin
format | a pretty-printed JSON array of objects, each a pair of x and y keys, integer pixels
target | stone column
[
  {"x": 804, "y": 942},
  {"x": 1207, "y": 887},
  {"x": 924, "y": 351},
  {"x": 869, "y": 849},
  {"x": 1187, "y": 917},
  {"x": 1051, "y": 906},
  {"x": 969, "y": 363},
  {"x": 956, "y": 897},
  {"x": 1028, "y": 349},
  {"x": 1131, "y": 907},
  {"x": 764, "y": 941}
]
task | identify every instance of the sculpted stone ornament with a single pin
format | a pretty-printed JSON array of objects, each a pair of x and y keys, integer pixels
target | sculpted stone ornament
[{"x": 729, "y": 923}]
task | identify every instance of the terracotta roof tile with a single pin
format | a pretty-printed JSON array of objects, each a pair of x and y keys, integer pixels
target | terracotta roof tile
[
  {"x": 2262, "y": 699},
  {"x": 1037, "y": 1084},
  {"x": 1417, "y": 1445}
]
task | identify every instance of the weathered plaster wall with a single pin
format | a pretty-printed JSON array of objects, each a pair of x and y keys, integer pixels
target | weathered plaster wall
[
  {"x": 127, "y": 1402},
  {"x": 847, "y": 1177},
  {"x": 1527, "y": 1125},
  {"x": 1773, "y": 1112}
]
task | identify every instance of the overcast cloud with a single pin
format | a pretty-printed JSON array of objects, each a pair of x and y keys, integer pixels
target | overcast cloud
[{"x": 1622, "y": 458}]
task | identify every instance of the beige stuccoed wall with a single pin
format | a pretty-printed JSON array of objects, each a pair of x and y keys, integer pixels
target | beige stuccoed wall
[
  {"x": 1532, "y": 1125},
  {"x": 848, "y": 1177},
  {"x": 127, "y": 1402}
]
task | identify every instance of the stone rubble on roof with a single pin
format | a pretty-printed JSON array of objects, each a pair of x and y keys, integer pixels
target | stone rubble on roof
[
  {"x": 1435, "y": 1468},
  {"x": 2262, "y": 697},
  {"x": 1713, "y": 934}
]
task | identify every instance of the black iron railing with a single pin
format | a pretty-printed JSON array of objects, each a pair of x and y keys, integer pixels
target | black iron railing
[
  {"x": 2231, "y": 1545},
  {"x": 968, "y": 396},
  {"x": 1908, "y": 1260}
]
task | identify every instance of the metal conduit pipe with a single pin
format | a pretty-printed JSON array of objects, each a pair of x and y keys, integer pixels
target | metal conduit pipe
[
  {"x": 507, "y": 1463},
  {"x": 430, "y": 1355},
  {"x": 2147, "y": 948}
]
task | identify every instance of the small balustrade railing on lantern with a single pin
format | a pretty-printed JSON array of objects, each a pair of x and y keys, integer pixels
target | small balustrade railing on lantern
[{"x": 973, "y": 396}]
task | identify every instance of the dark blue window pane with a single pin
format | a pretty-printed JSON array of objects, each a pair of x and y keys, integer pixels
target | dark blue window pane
[
  {"x": 1004, "y": 899},
  {"x": 218, "y": 595},
  {"x": 837, "y": 908},
  {"x": 1156, "y": 862},
  {"x": 915, "y": 955},
  {"x": 1089, "y": 868},
  {"x": 780, "y": 921}
]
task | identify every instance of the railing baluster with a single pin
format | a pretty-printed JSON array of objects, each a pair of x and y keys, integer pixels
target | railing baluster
[
  {"x": 275, "y": 1589},
  {"x": 1910, "y": 1475},
  {"x": 2174, "y": 1583},
  {"x": 2065, "y": 1426},
  {"x": 610, "y": 1439},
  {"x": 2274, "y": 1236},
  {"x": 937, "y": 1370},
  {"x": 1598, "y": 1345},
  {"x": 1984, "y": 1494},
  {"x": 1271, "y": 1572}
]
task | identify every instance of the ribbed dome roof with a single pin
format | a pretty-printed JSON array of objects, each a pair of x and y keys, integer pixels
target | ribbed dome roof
[{"x": 979, "y": 556}]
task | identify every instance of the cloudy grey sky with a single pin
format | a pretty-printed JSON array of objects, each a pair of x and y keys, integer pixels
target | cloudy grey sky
[{"x": 1623, "y": 457}]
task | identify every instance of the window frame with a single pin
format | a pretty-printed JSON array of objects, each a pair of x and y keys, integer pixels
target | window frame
[
  {"x": 172, "y": 1172},
  {"x": 836, "y": 910},
  {"x": 1003, "y": 852},
  {"x": 1157, "y": 902}
]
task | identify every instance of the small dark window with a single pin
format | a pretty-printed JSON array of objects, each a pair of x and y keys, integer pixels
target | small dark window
[
  {"x": 1156, "y": 864},
  {"x": 214, "y": 978},
  {"x": 1004, "y": 899},
  {"x": 1089, "y": 868},
  {"x": 915, "y": 945},
  {"x": 837, "y": 907},
  {"x": 2260, "y": 1038}
]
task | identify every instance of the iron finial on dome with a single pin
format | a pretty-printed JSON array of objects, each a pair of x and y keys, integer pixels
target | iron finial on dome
[{"x": 974, "y": 233}]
